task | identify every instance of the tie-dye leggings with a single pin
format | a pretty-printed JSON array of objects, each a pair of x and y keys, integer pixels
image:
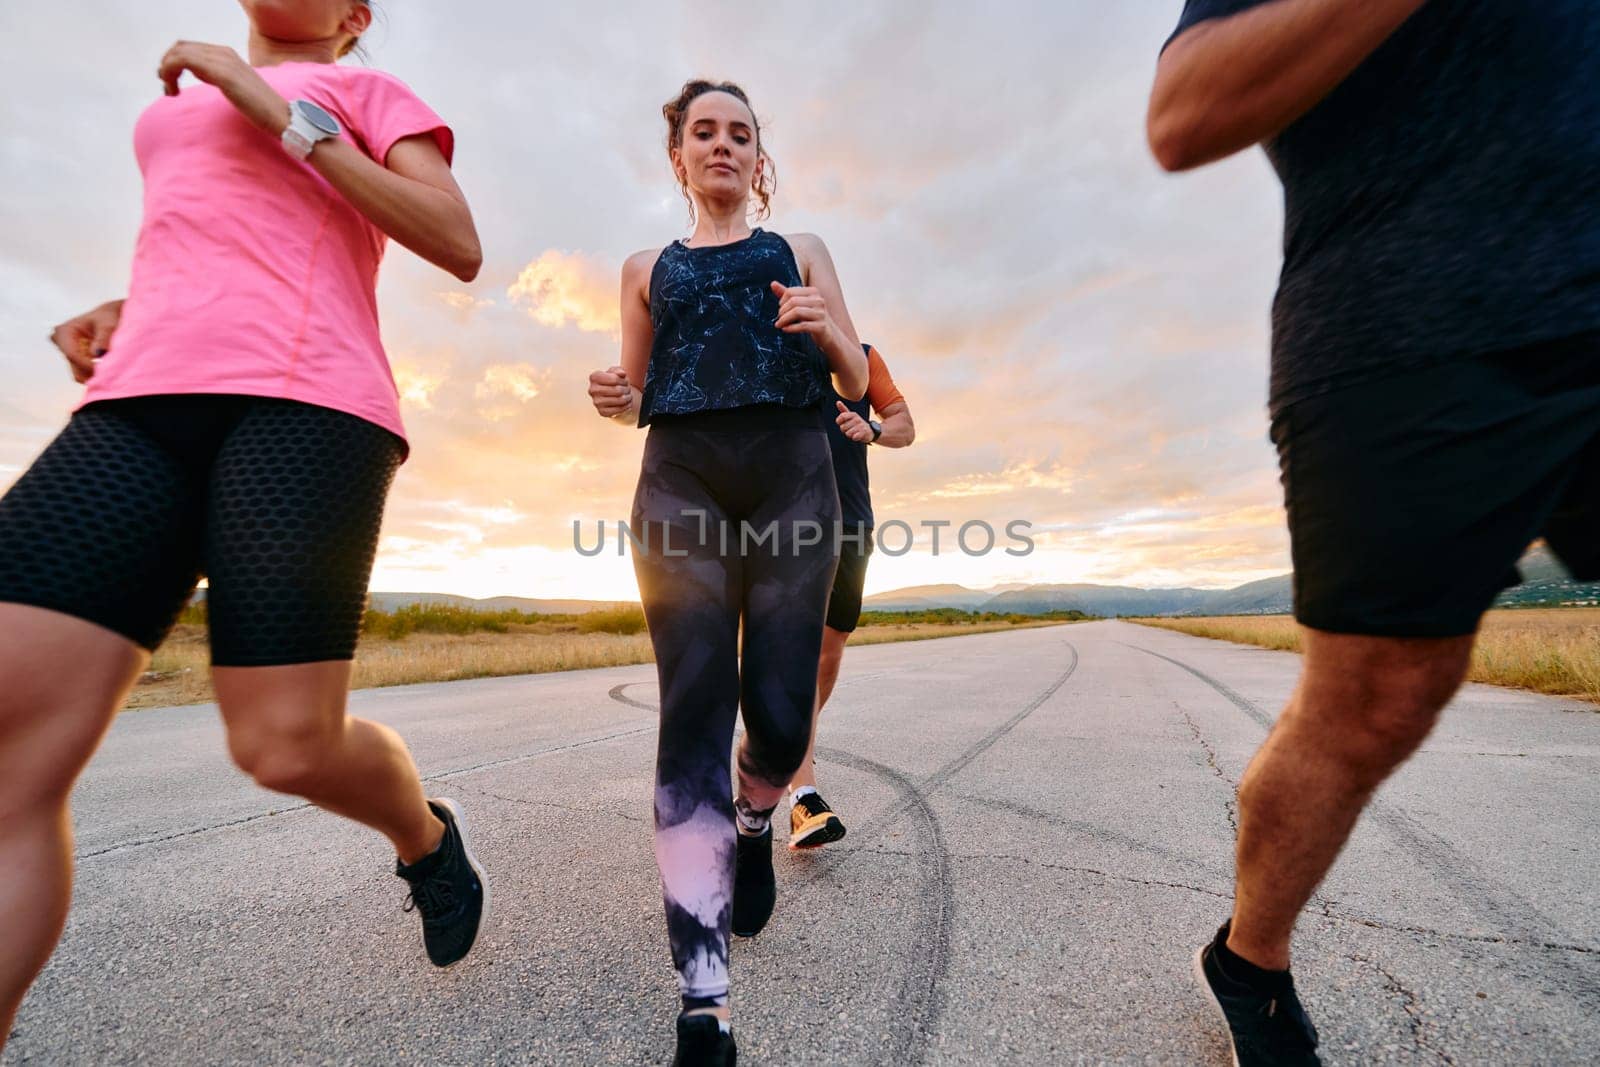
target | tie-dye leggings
[{"x": 736, "y": 495}]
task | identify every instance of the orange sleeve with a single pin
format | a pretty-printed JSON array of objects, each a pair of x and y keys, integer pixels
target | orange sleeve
[{"x": 881, "y": 390}]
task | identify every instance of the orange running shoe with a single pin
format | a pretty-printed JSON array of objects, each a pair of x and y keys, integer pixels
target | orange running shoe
[{"x": 812, "y": 823}]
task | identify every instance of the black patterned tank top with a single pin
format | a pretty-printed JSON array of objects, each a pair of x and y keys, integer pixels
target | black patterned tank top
[{"x": 716, "y": 346}]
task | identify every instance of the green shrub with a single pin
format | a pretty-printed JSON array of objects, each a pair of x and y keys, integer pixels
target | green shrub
[
  {"x": 624, "y": 620},
  {"x": 449, "y": 619},
  {"x": 439, "y": 619}
]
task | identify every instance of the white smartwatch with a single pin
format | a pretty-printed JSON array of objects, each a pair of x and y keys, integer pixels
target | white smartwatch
[{"x": 308, "y": 124}]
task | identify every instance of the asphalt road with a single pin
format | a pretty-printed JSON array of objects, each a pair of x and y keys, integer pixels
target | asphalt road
[{"x": 1040, "y": 833}]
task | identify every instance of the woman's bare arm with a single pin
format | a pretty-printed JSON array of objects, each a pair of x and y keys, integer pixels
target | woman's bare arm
[
  {"x": 826, "y": 318},
  {"x": 414, "y": 199},
  {"x": 411, "y": 195},
  {"x": 616, "y": 391}
]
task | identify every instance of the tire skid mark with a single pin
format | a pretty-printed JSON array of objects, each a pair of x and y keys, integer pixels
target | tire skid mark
[
  {"x": 1450, "y": 935},
  {"x": 526, "y": 756},
  {"x": 550, "y": 805},
  {"x": 616, "y": 693},
  {"x": 876, "y": 824},
  {"x": 1323, "y": 910},
  {"x": 288, "y": 809},
  {"x": 125, "y": 846},
  {"x": 1508, "y": 909},
  {"x": 1486, "y": 894},
  {"x": 959, "y": 764},
  {"x": 1096, "y": 833},
  {"x": 1261, "y": 718},
  {"x": 1065, "y": 868},
  {"x": 918, "y": 1002}
]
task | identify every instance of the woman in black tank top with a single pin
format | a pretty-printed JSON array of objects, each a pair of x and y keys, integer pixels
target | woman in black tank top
[{"x": 729, "y": 342}]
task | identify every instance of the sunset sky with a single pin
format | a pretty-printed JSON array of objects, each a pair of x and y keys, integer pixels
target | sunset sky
[{"x": 1082, "y": 339}]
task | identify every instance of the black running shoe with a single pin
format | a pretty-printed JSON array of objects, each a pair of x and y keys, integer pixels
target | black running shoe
[
  {"x": 449, "y": 888},
  {"x": 1268, "y": 1029},
  {"x": 755, "y": 887},
  {"x": 703, "y": 1043},
  {"x": 812, "y": 823}
]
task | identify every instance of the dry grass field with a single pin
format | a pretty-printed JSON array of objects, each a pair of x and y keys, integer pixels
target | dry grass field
[
  {"x": 1547, "y": 650},
  {"x": 179, "y": 673}
]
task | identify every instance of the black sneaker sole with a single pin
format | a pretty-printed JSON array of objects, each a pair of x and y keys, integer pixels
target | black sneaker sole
[
  {"x": 1211, "y": 998},
  {"x": 826, "y": 834},
  {"x": 477, "y": 868},
  {"x": 751, "y": 933}
]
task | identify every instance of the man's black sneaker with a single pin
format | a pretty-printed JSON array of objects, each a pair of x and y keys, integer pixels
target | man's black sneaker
[
  {"x": 755, "y": 887},
  {"x": 449, "y": 888},
  {"x": 1268, "y": 1027},
  {"x": 812, "y": 823},
  {"x": 703, "y": 1043}
]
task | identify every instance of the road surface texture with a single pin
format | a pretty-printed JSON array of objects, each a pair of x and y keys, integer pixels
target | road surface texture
[{"x": 1041, "y": 825}]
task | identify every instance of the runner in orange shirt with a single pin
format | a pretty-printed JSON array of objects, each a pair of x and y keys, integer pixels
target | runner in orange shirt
[{"x": 812, "y": 822}]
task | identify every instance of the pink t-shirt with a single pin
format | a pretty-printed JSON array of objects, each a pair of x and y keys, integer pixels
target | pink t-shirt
[{"x": 252, "y": 274}]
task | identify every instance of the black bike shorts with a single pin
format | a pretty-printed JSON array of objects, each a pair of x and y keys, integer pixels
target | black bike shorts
[
  {"x": 278, "y": 503},
  {"x": 844, "y": 603}
]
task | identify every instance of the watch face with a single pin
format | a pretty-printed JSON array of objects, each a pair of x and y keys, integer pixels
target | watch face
[{"x": 317, "y": 117}]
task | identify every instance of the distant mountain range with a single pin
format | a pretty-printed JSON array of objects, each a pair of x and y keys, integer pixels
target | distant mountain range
[
  {"x": 1544, "y": 583},
  {"x": 390, "y": 601},
  {"x": 1267, "y": 597}
]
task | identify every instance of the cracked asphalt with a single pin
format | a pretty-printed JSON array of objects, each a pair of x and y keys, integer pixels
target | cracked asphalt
[{"x": 1040, "y": 825}]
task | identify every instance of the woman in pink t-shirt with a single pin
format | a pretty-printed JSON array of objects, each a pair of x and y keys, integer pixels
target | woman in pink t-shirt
[{"x": 239, "y": 423}]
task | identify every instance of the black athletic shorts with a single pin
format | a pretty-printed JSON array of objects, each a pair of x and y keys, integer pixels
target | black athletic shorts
[
  {"x": 1411, "y": 498},
  {"x": 277, "y": 502},
  {"x": 844, "y": 603}
]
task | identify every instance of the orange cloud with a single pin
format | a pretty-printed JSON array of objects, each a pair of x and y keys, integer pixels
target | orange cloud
[
  {"x": 505, "y": 387},
  {"x": 560, "y": 288},
  {"x": 464, "y": 303},
  {"x": 416, "y": 386},
  {"x": 1014, "y": 477},
  {"x": 516, "y": 379}
]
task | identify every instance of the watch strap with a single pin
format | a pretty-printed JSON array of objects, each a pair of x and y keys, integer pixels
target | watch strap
[
  {"x": 296, "y": 143},
  {"x": 301, "y": 135}
]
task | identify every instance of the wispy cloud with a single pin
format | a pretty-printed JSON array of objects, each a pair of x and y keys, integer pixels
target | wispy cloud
[
  {"x": 560, "y": 288},
  {"x": 1082, "y": 339}
]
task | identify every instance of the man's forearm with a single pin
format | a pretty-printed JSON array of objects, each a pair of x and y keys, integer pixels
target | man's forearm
[
  {"x": 1228, "y": 83},
  {"x": 898, "y": 431}
]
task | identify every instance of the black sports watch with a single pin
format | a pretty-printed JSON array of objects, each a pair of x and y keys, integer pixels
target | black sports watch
[{"x": 877, "y": 431}]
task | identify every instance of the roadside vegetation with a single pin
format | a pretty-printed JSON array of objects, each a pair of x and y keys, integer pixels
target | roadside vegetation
[
  {"x": 1546, "y": 650},
  {"x": 440, "y": 643}
]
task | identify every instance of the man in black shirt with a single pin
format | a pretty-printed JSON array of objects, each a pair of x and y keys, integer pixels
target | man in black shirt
[{"x": 1435, "y": 392}]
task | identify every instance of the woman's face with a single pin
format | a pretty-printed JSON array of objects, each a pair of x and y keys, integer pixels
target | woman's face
[
  {"x": 718, "y": 159},
  {"x": 306, "y": 20}
]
